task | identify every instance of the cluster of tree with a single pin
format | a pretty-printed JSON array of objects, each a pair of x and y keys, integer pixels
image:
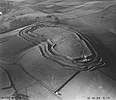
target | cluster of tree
[
  {"x": 5, "y": 6},
  {"x": 16, "y": 23}
]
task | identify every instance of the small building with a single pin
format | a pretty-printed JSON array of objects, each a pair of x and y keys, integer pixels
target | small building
[{"x": 0, "y": 13}]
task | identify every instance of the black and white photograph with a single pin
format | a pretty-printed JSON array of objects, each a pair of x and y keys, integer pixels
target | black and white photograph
[{"x": 57, "y": 49}]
